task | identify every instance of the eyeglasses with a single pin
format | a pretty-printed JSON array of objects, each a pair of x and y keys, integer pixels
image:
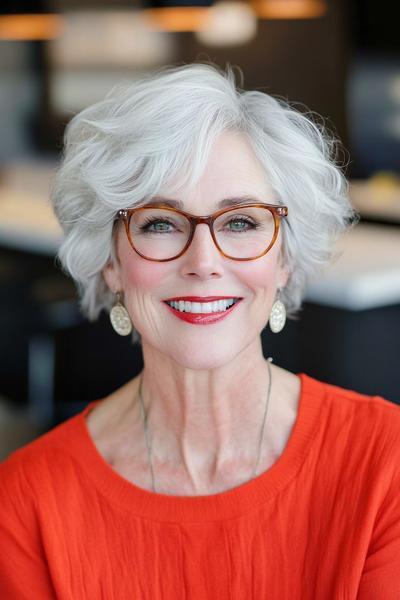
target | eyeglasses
[{"x": 161, "y": 233}]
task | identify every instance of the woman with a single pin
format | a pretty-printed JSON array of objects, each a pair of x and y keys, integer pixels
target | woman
[{"x": 196, "y": 212}]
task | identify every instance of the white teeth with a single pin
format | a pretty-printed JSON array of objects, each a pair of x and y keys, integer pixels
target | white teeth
[{"x": 201, "y": 307}]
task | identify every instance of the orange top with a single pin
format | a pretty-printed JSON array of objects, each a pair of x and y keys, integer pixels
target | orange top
[{"x": 322, "y": 523}]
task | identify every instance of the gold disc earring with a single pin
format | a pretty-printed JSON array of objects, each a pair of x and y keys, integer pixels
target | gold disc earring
[
  {"x": 119, "y": 317},
  {"x": 277, "y": 318}
]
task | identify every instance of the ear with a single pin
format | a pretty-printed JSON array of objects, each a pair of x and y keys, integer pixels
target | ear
[
  {"x": 111, "y": 276},
  {"x": 283, "y": 270},
  {"x": 282, "y": 277}
]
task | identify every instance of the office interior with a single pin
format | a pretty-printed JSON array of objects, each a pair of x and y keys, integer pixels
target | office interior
[{"x": 338, "y": 59}]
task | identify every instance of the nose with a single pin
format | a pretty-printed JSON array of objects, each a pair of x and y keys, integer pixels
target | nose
[{"x": 202, "y": 259}]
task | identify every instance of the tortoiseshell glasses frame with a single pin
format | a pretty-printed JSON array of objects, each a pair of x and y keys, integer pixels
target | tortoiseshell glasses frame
[{"x": 277, "y": 211}]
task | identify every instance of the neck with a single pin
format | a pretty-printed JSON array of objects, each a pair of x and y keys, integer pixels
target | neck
[{"x": 205, "y": 421}]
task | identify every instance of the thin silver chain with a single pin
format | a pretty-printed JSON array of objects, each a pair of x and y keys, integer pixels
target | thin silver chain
[{"x": 269, "y": 360}]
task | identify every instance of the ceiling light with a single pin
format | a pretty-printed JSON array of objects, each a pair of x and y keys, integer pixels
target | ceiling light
[
  {"x": 289, "y": 9},
  {"x": 30, "y": 27},
  {"x": 28, "y": 20},
  {"x": 176, "y": 15},
  {"x": 228, "y": 23}
]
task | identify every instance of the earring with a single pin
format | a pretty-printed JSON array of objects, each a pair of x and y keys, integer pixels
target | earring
[
  {"x": 119, "y": 317},
  {"x": 277, "y": 318}
]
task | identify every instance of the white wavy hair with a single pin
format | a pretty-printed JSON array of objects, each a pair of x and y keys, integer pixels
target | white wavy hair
[{"x": 159, "y": 131}]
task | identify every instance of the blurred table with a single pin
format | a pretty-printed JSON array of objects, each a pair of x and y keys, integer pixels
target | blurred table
[
  {"x": 366, "y": 273},
  {"x": 27, "y": 222},
  {"x": 375, "y": 200}
]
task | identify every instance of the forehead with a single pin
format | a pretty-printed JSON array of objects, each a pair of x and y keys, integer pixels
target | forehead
[{"x": 232, "y": 172}]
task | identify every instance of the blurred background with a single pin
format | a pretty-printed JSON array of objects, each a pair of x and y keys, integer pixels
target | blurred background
[{"x": 339, "y": 58}]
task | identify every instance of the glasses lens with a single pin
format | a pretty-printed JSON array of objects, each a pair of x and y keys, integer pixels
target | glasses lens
[
  {"x": 245, "y": 232},
  {"x": 159, "y": 233}
]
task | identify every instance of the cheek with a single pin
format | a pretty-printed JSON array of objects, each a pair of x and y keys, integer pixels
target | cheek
[
  {"x": 259, "y": 277},
  {"x": 262, "y": 275},
  {"x": 138, "y": 274},
  {"x": 141, "y": 275}
]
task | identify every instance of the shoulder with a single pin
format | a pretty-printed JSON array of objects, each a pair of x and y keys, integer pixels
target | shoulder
[
  {"x": 365, "y": 427},
  {"x": 366, "y": 418},
  {"x": 351, "y": 400},
  {"x": 28, "y": 468},
  {"x": 56, "y": 458},
  {"x": 373, "y": 418}
]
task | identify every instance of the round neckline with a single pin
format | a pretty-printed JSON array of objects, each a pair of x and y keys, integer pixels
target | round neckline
[{"x": 228, "y": 504}]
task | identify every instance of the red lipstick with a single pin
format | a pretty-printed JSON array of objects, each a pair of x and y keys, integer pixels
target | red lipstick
[
  {"x": 199, "y": 298},
  {"x": 202, "y": 318}
]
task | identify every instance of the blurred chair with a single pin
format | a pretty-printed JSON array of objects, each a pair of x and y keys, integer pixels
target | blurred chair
[
  {"x": 54, "y": 309},
  {"x": 70, "y": 360}
]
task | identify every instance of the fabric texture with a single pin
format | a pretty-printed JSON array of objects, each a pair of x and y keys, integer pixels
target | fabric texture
[{"x": 323, "y": 523}]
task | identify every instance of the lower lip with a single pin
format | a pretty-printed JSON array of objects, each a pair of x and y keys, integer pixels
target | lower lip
[{"x": 202, "y": 318}]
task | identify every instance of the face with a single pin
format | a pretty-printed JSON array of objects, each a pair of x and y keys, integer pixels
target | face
[{"x": 232, "y": 171}]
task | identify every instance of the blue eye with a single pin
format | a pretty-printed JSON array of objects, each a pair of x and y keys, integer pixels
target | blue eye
[
  {"x": 156, "y": 226},
  {"x": 243, "y": 224},
  {"x": 242, "y": 221}
]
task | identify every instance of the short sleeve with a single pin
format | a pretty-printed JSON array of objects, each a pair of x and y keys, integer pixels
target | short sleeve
[
  {"x": 23, "y": 570},
  {"x": 381, "y": 573}
]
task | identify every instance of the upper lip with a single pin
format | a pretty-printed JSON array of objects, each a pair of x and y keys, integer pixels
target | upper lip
[{"x": 200, "y": 298}]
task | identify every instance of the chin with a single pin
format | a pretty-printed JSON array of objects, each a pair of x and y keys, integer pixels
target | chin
[
  {"x": 206, "y": 356},
  {"x": 203, "y": 348},
  {"x": 201, "y": 364}
]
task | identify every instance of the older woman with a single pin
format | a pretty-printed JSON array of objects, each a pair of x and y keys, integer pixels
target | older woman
[{"x": 195, "y": 212}]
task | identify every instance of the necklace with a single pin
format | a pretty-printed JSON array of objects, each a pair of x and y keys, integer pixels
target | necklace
[{"x": 269, "y": 360}]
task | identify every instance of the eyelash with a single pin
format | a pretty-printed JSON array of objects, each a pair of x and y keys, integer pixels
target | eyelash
[{"x": 150, "y": 221}]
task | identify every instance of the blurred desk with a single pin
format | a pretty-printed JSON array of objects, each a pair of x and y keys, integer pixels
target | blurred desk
[
  {"x": 27, "y": 223},
  {"x": 376, "y": 202},
  {"x": 348, "y": 333},
  {"x": 367, "y": 272}
]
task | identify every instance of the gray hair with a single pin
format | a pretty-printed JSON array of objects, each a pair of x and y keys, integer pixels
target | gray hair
[{"x": 159, "y": 130}]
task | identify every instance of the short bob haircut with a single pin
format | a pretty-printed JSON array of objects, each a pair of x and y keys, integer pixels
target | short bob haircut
[{"x": 158, "y": 131}]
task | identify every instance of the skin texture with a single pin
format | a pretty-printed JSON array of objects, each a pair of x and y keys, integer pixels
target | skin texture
[{"x": 204, "y": 387}]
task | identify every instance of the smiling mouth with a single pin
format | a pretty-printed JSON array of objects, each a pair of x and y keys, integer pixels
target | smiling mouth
[{"x": 215, "y": 306}]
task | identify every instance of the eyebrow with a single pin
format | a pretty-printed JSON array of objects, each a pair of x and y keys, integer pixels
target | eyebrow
[{"x": 232, "y": 201}]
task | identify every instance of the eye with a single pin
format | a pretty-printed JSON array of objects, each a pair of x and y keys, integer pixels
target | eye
[
  {"x": 238, "y": 224},
  {"x": 156, "y": 225}
]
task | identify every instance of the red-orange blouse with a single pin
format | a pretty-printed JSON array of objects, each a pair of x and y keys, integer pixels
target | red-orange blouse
[{"x": 323, "y": 523}]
